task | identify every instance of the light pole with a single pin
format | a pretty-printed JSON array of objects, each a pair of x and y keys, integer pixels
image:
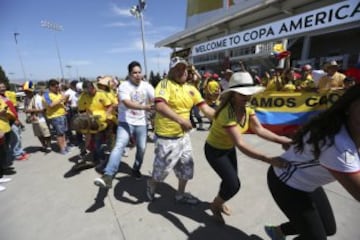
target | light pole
[
  {"x": 137, "y": 11},
  {"x": 69, "y": 71},
  {"x": 19, "y": 55},
  {"x": 56, "y": 28}
]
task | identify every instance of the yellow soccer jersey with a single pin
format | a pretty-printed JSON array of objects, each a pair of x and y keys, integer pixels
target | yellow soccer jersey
[
  {"x": 289, "y": 87},
  {"x": 57, "y": 110},
  {"x": 4, "y": 121},
  {"x": 180, "y": 98},
  {"x": 114, "y": 102},
  {"x": 11, "y": 95},
  {"x": 95, "y": 105},
  {"x": 218, "y": 136},
  {"x": 271, "y": 86}
]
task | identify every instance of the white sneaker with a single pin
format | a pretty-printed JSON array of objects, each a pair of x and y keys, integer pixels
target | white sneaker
[
  {"x": 5, "y": 180},
  {"x": 2, "y": 188},
  {"x": 125, "y": 152}
]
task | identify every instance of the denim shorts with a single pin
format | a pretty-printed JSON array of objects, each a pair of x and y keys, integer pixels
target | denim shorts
[{"x": 60, "y": 125}]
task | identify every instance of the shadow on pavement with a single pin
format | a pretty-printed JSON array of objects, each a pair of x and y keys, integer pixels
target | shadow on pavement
[
  {"x": 99, "y": 200},
  {"x": 33, "y": 149},
  {"x": 221, "y": 232},
  {"x": 80, "y": 164},
  {"x": 166, "y": 206}
]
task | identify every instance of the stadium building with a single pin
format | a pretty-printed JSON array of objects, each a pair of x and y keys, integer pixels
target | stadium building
[{"x": 220, "y": 33}]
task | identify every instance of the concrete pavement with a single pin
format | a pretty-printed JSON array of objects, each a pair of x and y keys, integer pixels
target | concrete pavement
[{"x": 46, "y": 200}]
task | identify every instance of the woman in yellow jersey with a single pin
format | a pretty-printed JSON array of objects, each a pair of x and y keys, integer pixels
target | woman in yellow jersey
[{"x": 232, "y": 118}]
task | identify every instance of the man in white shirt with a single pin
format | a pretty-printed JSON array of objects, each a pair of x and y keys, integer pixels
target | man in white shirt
[
  {"x": 72, "y": 108},
  {"x": 135, "y": 98}
]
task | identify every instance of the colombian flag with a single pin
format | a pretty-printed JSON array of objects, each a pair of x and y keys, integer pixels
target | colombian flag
[
  {"x": 279, "y": 51},
  {"x": 283, "y": 112}
]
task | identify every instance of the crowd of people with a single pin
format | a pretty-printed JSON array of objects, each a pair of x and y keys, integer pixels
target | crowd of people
[{"x": 105, "y": 116}]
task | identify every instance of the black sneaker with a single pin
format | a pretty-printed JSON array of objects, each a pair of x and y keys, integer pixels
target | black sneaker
[
  {"x": 104, "y": 182},
  {"x": 99, "y": 168},
  {"x": 8, "y": 171},
  {"x": 136, "y": 174}
]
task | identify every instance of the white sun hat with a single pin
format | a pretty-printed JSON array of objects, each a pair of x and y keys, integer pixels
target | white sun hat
[{"x": 243, "y": 83}]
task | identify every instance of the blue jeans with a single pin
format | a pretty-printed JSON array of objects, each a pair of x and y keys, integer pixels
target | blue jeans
[
  {"x": 15, "y": 142},
  {"x": 124, "y": 132}
]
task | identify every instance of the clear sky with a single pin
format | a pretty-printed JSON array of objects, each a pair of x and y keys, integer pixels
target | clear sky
[{"x": 99, "y": 37}]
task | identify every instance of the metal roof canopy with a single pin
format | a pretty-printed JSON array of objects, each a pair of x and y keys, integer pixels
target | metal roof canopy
[{"x": 235, "y": 20}]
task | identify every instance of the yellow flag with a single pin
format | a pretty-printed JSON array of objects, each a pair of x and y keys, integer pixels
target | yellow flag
[{"x": 278, "y": 48}]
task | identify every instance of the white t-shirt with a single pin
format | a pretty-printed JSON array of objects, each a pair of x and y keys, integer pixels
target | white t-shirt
[
  {"x": 306, "y": 173},
  {"x": 142, "y": 94},
  {"x": 38, "y": 102},
  {"x": 73, "y": 97}
]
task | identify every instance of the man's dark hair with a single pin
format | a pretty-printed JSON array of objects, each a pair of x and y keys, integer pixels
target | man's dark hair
[
  {"x": 87, "y": 84},
  {"x": 132, "y": 65},
  {"x": 53, "y": 82},
  {"x": 73, "y": 83}
]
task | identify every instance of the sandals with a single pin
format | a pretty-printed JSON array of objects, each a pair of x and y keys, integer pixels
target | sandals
[
  {"x": 217, "y": 213},
  {"x": 226, "y": 210}
]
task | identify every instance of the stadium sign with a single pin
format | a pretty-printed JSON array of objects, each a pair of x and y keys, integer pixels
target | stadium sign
[{"x": 333, "y": 15}]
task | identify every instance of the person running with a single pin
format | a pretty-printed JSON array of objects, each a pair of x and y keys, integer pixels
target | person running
[
  {"x": 231, "y": 120},
  {"x": 324, "y": 150},
  {"x": 136, "y": 97},
  {"x": 173, "y": 102}
]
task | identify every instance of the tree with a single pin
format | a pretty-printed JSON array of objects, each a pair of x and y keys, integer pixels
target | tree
[
  {"x": 4, "y": 78},
  {"x": 151, "y": 78}
]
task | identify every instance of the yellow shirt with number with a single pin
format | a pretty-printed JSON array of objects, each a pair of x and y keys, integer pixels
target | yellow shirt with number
[
  {"x": 4, "y": 121},
  {"x": 56, "y": 111},
  {"x": 180, "y": 98},
  {"x": 96, "y": 105},
  {"x": 218, "y": 136}
]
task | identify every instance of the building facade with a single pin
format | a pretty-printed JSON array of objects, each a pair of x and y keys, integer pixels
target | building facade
[{"x": 220, "y": 33}]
